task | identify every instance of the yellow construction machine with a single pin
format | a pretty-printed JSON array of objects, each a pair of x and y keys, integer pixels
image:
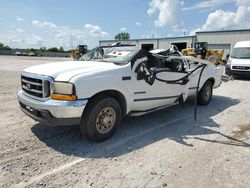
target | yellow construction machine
[
  {"x": 201, "y": 51},
  {"x": 76, "y": 53}
]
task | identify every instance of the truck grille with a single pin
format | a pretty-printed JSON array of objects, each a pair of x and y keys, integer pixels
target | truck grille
[
  {"x": 241, "y": 67},
  {"x": 35, "y": 86}
]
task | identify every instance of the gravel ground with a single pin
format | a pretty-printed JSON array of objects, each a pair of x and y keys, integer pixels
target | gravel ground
[{"x": 166, "y": 148}]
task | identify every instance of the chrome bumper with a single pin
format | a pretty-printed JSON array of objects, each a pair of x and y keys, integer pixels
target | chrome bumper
[{"x": 55, "y": 108}]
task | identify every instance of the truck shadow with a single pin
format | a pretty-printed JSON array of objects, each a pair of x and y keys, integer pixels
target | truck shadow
[
  {"x": 172, "y": 124},
  {"x": 242, "y": 78}
]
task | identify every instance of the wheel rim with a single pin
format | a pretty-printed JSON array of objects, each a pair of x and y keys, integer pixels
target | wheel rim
[
  {"x": 207, "y": 93},
  {"x": 105, "y": 120}
]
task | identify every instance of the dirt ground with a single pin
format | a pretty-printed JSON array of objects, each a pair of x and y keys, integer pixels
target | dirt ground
[{"x": 166, "y": 148}]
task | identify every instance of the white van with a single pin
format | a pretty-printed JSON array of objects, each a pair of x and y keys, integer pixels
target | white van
[{"x": 239, "y": 60}]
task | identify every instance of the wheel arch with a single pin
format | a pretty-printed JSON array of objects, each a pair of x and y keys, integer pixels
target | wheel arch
[
  {"x": 211, "y": 79},
  {"x": 111, "y": 93}
]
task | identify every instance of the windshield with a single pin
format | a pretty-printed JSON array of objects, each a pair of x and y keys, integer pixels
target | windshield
[
  {"x": 241, "y": 53},
  {"x": 113, "y": 54}
]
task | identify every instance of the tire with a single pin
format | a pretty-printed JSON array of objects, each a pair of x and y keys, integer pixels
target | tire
[
  {"x": 205, "y": 94},
  {"x": 101, "y": 119}
]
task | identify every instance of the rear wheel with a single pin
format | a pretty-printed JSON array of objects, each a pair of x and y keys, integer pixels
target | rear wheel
[
  {"x": 205, "y": 94},
  {"x": 101, "y": 119}
]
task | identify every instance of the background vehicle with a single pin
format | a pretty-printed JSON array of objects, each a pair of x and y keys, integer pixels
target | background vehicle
[
  {"x": 110, "y": 82},
  {"x": 31, "y": 54},
  {"x": 76, "y": 53},
  {"x": 18, "y": 53},
  {"x": 21, "y": 53},
  {"x": 201, "y": 51},
  {"x": 239, "y": 59}
]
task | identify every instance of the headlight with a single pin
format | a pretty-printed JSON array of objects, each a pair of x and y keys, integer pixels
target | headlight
[
  {"x": 63, "y": 91},
  {"x": 63, "y": 88}
]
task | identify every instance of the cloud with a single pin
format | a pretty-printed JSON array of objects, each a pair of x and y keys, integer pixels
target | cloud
[
  {"x": 95, "y": 31},
  {"x": 20, "y": 30},
  {"x": 138, "y": 24},
  {"x": 35, "y": 40},
  {"x": 151, "y": 34},
  {"x": 170, "y": 35},
  {"x": 19, "y": 18},
  {"x": 39, "y": 24},
  {"x": 221, "y": 19},
  {"x": 169, "y": 12},
  {"x": 17, "y": 41},
  {"x": 53, "y": 35},
  {"x": 207, "y": 4},
  {"x": 30, "y": 40},
  {"x": 69, "y": 37},
  {"x": 123, "y": 29},
  {"x": 243, "y": 2},
  {"x": 146, "y": 36}
]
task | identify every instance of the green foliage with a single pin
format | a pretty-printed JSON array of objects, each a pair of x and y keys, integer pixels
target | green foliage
[
  {"x": 32, "y": 50},
  {"x": 61, "y": 49},
  {"x": 43, "y": 49},
  {"x": 3, "y": 47},
  {"x": 53, "y": 49},
  {"x": 122, "y": 36}
]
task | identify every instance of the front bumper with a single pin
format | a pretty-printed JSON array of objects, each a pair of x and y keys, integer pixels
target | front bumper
[
  {"x": 230, "y": 71},
  {"x": 52, "y": 112}
]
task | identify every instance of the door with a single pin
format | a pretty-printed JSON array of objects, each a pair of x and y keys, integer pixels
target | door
[
  {"x": 180, "y": 45},
  {"x": 147, "y": 47},
  {"x": 159, "y": 94}
]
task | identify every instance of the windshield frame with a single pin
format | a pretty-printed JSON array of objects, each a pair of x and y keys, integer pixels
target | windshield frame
[{"x": 100, "y": 49}]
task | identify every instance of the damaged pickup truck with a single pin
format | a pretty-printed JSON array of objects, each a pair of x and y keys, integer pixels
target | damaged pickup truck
[{"x": 110, "y": 82}]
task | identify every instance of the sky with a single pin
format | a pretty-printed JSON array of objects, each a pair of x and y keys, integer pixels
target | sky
[{"x": 67, "y": 23}]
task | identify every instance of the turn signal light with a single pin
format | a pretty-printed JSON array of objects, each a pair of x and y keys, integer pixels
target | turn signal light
[{"x": 63, "y": 97}]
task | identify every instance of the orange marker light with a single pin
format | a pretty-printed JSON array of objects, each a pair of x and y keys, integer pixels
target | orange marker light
[{"x": 63, "y": 97}]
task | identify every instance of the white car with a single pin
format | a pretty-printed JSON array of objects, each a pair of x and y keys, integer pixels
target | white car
[
  {"x": 18, "y": 53},
  {"x": 110, "y": 82}
]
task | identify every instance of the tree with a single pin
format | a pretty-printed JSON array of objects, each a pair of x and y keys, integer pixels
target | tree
[
  {"x": 7, "y": 47},
  {"x": 32, "y": 49},
  {"x": 3, "y": 47},
  {"x": 53, "y": 49},
  {"x": 122, "y": 36},
  {"x": 43, "y": 49},
  {"x": 61, "y": 49}
]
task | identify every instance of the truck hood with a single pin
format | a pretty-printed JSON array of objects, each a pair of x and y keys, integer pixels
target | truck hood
[{"x": 64, "y": 71}]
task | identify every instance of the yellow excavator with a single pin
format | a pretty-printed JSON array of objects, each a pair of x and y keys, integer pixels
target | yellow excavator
[{"x": 201, "y": 51}]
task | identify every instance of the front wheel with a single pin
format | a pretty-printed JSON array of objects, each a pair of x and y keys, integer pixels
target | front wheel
[
  {"x": 101, "y": 119},
  {"x": 205, "y": 94}
]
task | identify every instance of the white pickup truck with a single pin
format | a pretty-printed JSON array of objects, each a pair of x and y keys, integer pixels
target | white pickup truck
[{"x": 110, "y": 82}]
